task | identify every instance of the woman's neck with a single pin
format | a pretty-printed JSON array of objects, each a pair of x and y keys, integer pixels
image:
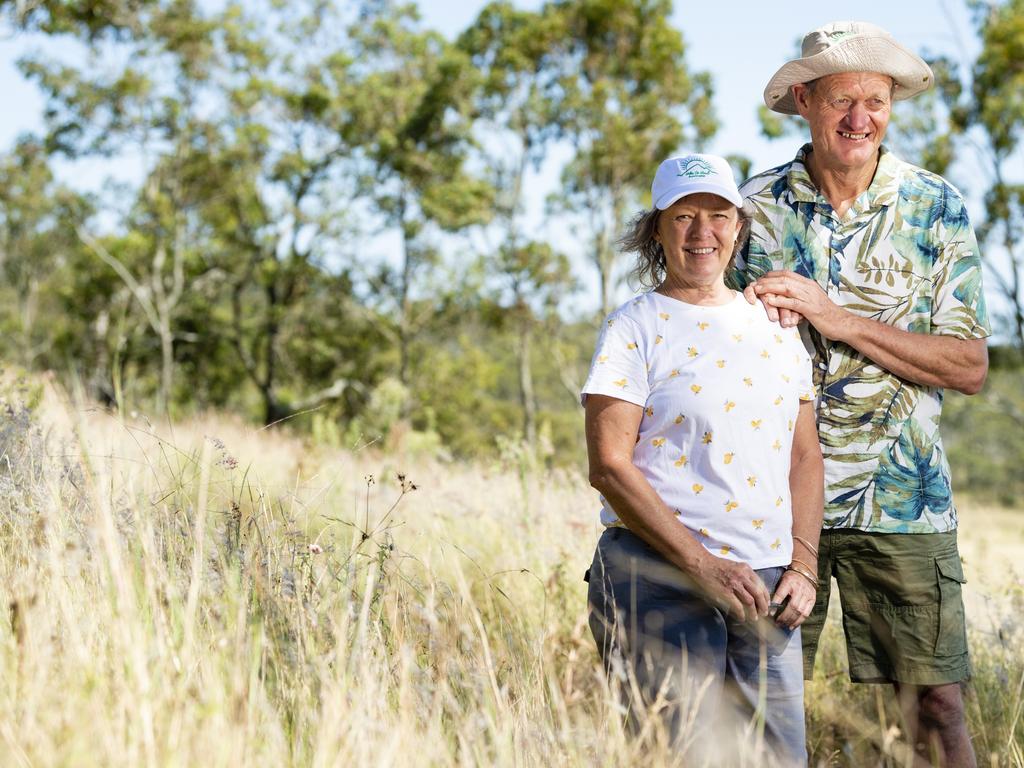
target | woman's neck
[{"x": 712, "y": 294}]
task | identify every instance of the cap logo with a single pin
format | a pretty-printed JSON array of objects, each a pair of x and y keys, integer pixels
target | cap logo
[{"x": 694, "y": 168}]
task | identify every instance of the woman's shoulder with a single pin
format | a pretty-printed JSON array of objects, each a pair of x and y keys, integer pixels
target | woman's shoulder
[{"x": 639, "y": 310}]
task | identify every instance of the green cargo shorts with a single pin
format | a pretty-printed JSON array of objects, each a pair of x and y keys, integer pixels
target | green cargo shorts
[{"x": 903, "y": 614}]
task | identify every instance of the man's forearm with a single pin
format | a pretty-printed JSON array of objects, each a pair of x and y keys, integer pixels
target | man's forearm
[
  {"x": 932, "y": 360},
  {"x": 927, "y": 359}
]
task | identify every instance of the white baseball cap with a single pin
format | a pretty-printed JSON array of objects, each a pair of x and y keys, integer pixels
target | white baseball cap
[{"x": 688, "y": 174}]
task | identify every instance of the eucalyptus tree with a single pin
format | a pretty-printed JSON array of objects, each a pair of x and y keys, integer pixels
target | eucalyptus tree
[
  {"x": 516, "y": 53},
  {"x": 628, "y": 100},
  {"x": 90, "y": 19},
  {"x": 409, "y": 122},
  {"x": 991, "y": 107},
  {"x": 137, "y": 93},
  {"x": 38, "y": 219},
  {"x": 239, "y": 118}
]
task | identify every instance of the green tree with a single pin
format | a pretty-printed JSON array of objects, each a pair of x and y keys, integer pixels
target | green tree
[
  {"x": 38, "y": 221},
  {"x": 628, "y": 100},
  {"x": 409, "y": 122},
  {"x": 992, "y": 106},
  {"x": 515, "y": 53},
  {"x": 240, "y": 118},
  {"x": 147, "y": 107},
  {"x": 86, "y": 18}
]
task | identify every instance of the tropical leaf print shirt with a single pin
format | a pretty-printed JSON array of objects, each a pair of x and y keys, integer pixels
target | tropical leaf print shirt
[
  {"x": 904, "y": 254},
  {"x": 720, "y": 387}
]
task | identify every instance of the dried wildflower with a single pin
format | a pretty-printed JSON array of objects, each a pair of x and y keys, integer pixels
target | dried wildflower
[{"x": 228, "y": 462}]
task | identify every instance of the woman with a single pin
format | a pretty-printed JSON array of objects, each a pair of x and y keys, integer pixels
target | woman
[{"x": 702, "y": 441}]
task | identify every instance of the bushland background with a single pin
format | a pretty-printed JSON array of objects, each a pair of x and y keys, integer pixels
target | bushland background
[{"x": 333, "y": 262}]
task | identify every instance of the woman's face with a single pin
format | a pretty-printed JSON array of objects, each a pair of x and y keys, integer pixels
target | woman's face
[{"x": 698, "y": 233}]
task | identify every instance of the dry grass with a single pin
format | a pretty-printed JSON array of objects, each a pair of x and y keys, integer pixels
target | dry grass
[{"x": 212, "y": 595}]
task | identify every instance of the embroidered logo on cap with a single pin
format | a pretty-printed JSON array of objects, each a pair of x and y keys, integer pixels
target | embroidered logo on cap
[{"x": 694, "y": 168}]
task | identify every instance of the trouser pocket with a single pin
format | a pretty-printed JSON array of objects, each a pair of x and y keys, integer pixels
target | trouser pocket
[{"x": 951, "y": 637}]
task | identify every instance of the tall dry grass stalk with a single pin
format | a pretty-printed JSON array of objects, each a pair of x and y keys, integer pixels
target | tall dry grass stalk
[{"x": 208, "y": 594}]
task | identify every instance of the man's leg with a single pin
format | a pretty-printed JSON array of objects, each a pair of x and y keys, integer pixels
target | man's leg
[
  {"x": 904, "y": 620},
  {"x": 937, "y": 714}
]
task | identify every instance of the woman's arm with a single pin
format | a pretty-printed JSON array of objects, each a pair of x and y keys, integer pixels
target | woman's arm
[
  {"x": 807, "y": 488},
  {"x": 612, "y": 428}
]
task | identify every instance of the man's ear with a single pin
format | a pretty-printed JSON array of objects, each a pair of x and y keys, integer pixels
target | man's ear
[{"x": 802, "y": 97}]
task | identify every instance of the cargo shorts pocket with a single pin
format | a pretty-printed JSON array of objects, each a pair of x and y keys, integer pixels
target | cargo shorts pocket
[{"x": 951, "y": 638}]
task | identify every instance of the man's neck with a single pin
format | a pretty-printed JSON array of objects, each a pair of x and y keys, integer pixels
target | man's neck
[{"x": 840, "y": 186}]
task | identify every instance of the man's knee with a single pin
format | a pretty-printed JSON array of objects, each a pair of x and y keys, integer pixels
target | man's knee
[{"x": 941, "y": 706}]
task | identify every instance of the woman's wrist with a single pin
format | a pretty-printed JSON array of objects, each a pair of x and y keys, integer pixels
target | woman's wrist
[{"x": 806, "y": 574}]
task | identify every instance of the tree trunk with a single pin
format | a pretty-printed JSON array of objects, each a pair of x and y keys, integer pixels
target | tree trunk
[
  {"x": 526, "y": 396},
  {"x": 166, "y": 363},
  {"x": 405, "y": 308},
  {"x": 271, "y": 408}
]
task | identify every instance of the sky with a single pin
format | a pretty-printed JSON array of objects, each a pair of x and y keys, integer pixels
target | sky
[{"x": 741, "y": 43}]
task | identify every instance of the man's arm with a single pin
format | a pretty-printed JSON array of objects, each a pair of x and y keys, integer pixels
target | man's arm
[{"x": 929, "y": 359}]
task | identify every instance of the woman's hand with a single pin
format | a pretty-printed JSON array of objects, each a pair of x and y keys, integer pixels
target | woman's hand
[
  {"x": 732, "y": 586},
  {"x": 801, "y": 594}
]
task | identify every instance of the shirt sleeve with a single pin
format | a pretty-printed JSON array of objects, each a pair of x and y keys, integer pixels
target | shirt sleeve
[
  {"x": 805, "y": 369},
  {"x": 619, "y": 367},
  {"x": 751, "y": 261},
  {"x": 958, "y": 302}
]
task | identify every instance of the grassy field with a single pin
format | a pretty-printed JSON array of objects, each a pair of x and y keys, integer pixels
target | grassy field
[{"x": 207, "y": 594}]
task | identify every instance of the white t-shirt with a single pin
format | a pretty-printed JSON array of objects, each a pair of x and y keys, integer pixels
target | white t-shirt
[{"x": 720, "y": 387}]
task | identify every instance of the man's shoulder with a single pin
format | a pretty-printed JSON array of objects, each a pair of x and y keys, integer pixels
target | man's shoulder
[
  {"x": 766, "y": 182},
  {"x": 916, "y": 181}
]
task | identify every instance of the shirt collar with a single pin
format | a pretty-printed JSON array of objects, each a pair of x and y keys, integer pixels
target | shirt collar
[{"x": 884, "y": 189}]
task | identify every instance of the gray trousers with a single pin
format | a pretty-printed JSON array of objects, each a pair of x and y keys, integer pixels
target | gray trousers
[{"x": 675, "y": 653}]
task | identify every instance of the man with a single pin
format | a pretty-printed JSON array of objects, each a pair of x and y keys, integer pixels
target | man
[{"x": 880, "y": 259}]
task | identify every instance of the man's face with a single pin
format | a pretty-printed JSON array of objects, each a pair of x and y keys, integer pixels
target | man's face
[{"x": 848, "y": 114}]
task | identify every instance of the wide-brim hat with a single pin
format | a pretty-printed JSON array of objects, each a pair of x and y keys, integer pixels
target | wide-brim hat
[
  {"x": 689, "y": 174},
  {"x": 848, "y": 46}
]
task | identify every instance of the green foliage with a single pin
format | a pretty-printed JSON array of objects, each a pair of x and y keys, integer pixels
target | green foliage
[
  {"x": 627, "y": 101},
  {"x": 90, "y": 18},
  {"x": 984, "y": 437},
  {"x": 983, "y": 113}
]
